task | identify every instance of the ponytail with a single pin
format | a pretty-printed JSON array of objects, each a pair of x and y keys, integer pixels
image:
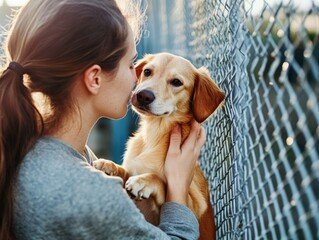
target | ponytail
[{"x": 20, "y": 128}]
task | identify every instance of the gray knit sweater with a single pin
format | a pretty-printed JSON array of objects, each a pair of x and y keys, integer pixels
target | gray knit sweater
[{"x": 59, "y": 195}]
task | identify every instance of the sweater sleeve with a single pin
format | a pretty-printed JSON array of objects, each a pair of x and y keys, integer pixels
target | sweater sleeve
[
  {"x": 178, "y": 221},
  {"x": 108, "y": 213},
  {"x": 58, "y": 195}
]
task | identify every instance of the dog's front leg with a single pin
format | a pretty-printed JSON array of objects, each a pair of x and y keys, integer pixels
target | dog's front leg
[
  {"x": 145, "y": 186},
  {"x": 111, "y": 168}
]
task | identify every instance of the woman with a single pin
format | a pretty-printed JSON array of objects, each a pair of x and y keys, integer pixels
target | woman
[{"x": 70, "y": 62}]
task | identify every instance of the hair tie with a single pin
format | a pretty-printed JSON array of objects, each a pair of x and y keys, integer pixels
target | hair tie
[{"x": 17, "y": 68}]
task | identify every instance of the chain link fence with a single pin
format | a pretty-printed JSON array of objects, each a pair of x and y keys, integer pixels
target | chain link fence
[{"x": 262, "y": 151}]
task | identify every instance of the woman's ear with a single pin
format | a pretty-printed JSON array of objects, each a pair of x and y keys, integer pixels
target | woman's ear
[
  {"x": 207, "y": 96},
  {"x": 141, "y": 63},
  {"x": 92, "y": 78}
]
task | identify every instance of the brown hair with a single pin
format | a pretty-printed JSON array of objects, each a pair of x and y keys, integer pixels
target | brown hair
[{"x": 54, "y": 41}]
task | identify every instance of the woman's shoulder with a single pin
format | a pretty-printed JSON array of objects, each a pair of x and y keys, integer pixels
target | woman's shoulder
[
  {"x": 52, "y": 162},
  {"x": 56, "y": 182},
  {"x": 54, "y": 174}
]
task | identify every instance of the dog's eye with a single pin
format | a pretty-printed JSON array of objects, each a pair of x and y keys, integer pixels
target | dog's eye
[
  {"x": 176, "y": 83},
  {"x": 147, "y": 72}
]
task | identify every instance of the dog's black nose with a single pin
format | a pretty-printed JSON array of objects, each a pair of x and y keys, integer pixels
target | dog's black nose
[{"x": 145, "y": 97}]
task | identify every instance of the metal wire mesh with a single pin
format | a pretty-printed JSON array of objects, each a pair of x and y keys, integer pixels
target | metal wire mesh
[{"x": 262, "y": 151}]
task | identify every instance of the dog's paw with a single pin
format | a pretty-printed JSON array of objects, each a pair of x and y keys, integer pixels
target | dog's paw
[
  {"x": 106, "y": 166},
  {"x": 138, "y": 188}
]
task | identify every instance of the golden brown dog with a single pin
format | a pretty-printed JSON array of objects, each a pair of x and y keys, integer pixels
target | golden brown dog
[{"x": 170, "y": 91}]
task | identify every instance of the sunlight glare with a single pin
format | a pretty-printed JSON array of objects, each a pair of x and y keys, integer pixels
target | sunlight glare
[{"x": 15, "y": 3}]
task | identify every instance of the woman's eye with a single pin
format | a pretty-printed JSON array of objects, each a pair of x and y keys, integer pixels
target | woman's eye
[
  {"x": 176, "y": 83},
  {"x": 147, "y": 72}
]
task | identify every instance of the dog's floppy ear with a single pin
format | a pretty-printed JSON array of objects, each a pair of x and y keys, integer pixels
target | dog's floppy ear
[
  {"x": 207, "y": 96},
  {"x": 141, "y": 63}
]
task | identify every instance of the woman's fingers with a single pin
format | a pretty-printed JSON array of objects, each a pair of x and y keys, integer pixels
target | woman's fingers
[
  {"x": 181, "y": 160},
  {"x": 190, "y": 149},
  {"x": 194, "y": 141},
  {"x": 175, "y": 141},
  {"x": 200, "y": 141},
  {"x": 196, "y": 138}
]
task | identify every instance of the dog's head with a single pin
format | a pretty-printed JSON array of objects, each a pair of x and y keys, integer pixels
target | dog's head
[{"x": 171, "y": 86}]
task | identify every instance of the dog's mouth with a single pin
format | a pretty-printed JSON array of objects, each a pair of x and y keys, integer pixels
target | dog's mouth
[
  {"x": 144, "y": 106},
  {"x": 141, "y": 109},
  {"x": 145, "y": 110}
]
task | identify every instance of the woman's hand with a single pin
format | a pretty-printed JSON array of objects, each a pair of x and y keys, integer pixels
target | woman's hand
[{"x": 181, "y": 161}]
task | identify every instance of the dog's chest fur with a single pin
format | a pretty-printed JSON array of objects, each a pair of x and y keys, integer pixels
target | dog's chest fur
[
  {"x": 146, "y": 153},
  {"x": 147, "y": 149}
]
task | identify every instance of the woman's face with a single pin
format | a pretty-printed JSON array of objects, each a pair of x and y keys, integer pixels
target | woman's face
[{"x": 118, "y": 88}]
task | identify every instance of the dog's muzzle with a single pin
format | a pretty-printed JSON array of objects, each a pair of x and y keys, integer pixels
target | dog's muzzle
[{"x": 143, "y": 99}]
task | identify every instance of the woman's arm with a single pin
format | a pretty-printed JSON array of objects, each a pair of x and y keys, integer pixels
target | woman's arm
[{"x": 181, "y": 161}]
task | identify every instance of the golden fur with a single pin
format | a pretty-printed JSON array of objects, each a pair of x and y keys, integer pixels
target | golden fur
[{"x": 170, "y": 91}]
